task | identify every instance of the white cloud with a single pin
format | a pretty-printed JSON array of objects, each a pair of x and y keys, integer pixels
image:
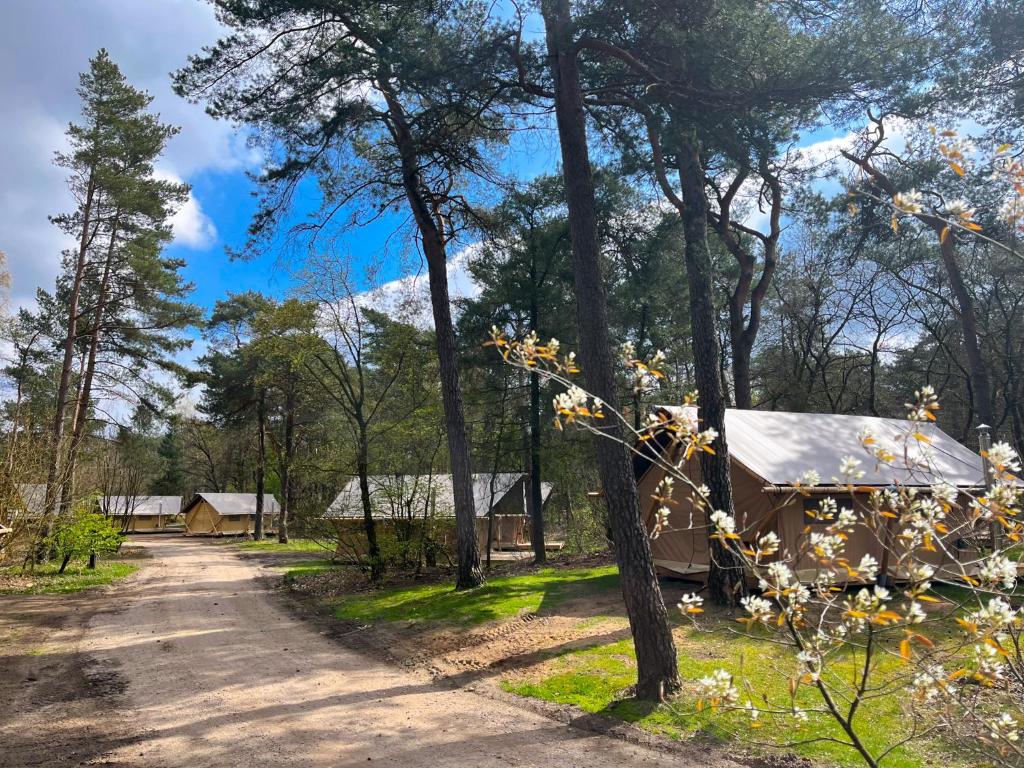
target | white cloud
[
  {"x": 44, "y": 45},
  {"x": 191, "y": 226},
  {"x": 409, "y": 296}
]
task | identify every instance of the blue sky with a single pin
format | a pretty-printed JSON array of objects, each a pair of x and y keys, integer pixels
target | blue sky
[{"x": 44, "y": 44}]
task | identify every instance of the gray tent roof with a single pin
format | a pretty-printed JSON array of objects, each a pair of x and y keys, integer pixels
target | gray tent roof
[
  {"x": 779, "y": 446},
  {"x": 386, "y": 490},
  {"x": 33, "y": 496},
  {"x": 141, "y": 506},
  {"x": 234, "y": 503}
]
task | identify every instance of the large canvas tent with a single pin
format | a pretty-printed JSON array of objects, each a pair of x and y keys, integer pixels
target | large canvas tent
[
  {"x": 407, "y": 498},
  {"x": 769, "y": 451},
  {"x": 227, "y": 514},
  {"x": 141, "y": 513}
]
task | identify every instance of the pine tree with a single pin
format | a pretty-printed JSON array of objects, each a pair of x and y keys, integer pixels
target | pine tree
[{"x": 123, "y": 299}]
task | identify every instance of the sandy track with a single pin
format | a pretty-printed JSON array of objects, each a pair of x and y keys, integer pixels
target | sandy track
[{"x": 217, "y": 673}]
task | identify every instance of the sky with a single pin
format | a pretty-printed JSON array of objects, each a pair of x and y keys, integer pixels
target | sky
[{"x": 45, "y": 44}]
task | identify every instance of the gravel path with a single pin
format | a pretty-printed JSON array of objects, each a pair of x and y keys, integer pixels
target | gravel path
[{"x": 217, "y": 673}]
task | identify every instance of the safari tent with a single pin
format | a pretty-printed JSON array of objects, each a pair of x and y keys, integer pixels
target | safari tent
[
  {"x": 396, "y": 499},
  {"x": 136, "y": 514},
  {"x": 227, "y": 514},
  {"x": 769, "y": 451}
]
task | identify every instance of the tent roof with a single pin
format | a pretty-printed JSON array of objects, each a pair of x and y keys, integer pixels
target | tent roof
[
  {"x": 33, "y": 496},
  {"x": 779, "y": 446},
  {"x": 234, "y": 503},
  {"x": 141, "y": 506},
  {"x": 348, "y": 504}
]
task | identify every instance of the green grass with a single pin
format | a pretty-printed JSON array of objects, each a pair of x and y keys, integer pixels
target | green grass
[
  {"x": 307, "y": 567},
  {"x": 597, "y": 679},
  {"x": 75, "y": 578},
  {"x": 272, "y": 545},
  {"x": 499, "y": 598}
]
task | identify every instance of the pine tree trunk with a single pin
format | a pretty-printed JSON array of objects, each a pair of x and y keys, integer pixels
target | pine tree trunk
[
  {"x": 468, "y": 573},
  {"x": 369, "y": 524},
  {"x": 85, "y": 389},
  {"x": 981, "y": 388},
  {"x": 536, "y": 498},
  {"x": 60, "y": 407},
  {"x": 726, "y": 575},
  {"x": 657, "y": 672},
  {"x": 261, "y": 462},
  {"x": 286, "y": 469}
]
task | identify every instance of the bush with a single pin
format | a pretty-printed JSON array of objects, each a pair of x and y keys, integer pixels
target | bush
[{"x": 83, "y": 534}]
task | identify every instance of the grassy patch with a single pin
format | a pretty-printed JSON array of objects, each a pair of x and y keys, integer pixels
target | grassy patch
[
  {"x": 597, "y": 679},
  {"x": 499, "y": 598},
  {"x": 308, "y": 568},
  {"x": 77, "y": 577},
  {"x": 272, "y": 545}
]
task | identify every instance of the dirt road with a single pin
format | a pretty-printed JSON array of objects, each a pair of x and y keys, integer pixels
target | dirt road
[{"x": 216, "y": 672}]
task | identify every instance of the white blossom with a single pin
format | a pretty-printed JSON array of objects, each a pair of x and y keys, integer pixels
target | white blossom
[
  {"x": 960, "y": 208},
  {"x": 868, "y": 567},
  {"x": 850, "y": 468},
  {"x": 944, "y": 492},
  {"x": 760, "y": 610},
  {"x": 1003, "y": 457},
  {"x": 915, "y": 613},
  {"x": 768, "y": 544},
  {"x": 909, "y": 201},
  {"x": 723, "y": 522},
  {"x": 718, "y": 686},
  {"x": 691, "y": 603},
  {"x": 999, "y": 569},
  {"x": 809, "y": 479},
  {"x": 1004, "y": 727},
  {"x": 997, "y": 614}
]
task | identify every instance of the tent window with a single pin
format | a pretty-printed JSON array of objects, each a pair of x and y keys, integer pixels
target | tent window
[{"x": 234, "y": 518}]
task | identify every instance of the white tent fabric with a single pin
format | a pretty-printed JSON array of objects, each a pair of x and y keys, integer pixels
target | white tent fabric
[
  {"x": 779, "y": 446},
  {"x": 394, "y": 495},
  {"x": 237, "y": 503},
  {"x": 141, "y": 506},
  {"x": 33, "y": 496}
]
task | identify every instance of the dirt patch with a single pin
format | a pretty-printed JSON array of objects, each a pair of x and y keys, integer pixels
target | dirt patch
[
  {"x": 515, "y": 648},
  {"x": 61, "y": 707}
]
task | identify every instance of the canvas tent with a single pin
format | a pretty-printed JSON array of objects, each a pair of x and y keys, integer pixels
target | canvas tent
[
  {"x": 33, "y": 499},
  {"x": 398, "y": 498},
  {"x": 141, "y": 513},
  {"x": 227, "y": 514},
  {"x": 769, "y": 451}
]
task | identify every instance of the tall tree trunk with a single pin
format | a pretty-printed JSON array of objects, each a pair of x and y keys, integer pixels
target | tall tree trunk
[
  {"x": 725, "y": 576},
  {"x": 57, "y": 429},
  {"x": 468, "y": 573},
  {"x": 981, "y": 388},
  {"x": 85, "y": 388},
  {"x": 261, "y": 461},
  {"x": 369, "y": 524},
  {"x": 657, "y": 672},
  {"x": 286, "y": 468},
  {"x": 535, "y": 498}
]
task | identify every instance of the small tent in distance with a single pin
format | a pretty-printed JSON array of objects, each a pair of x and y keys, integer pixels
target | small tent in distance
[
  {"x": 406, "y": 499},
  {"x": 769, "y": 451},
  {"x": 227, "y": 514},
  {"x": 138, "y": 514}
]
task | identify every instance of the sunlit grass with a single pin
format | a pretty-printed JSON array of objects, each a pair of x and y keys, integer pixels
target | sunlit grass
[
  {"x": 46, "y": 580},
  {"x": 499, "y": 598},
  {"x": 597, "y": 679},
  {"x": 272, "y": 545}
]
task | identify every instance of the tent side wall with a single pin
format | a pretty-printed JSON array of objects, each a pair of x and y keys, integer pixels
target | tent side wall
[
  {"x": 682, "y": 549},
  {"x": 140, "y": 523}
]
